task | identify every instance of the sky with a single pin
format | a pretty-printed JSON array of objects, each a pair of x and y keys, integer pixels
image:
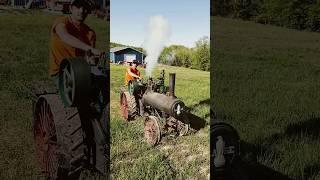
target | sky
[{"x": 189, "y": 20}]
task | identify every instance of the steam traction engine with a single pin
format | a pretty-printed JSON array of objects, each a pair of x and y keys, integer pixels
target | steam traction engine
[
  {"x": 164, "y": 113},
  {"x": 70, "y": 124}
]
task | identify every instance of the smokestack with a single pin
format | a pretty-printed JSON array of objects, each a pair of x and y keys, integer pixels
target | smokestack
[{"x": 172, "y": 83}]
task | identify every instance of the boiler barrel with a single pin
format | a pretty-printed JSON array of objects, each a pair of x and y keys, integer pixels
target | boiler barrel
[{"x": 170, "y": 105}]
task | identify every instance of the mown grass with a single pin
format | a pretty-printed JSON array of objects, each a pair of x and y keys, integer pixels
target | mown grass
[
  {"x": 23, "y": 60},
  {"x": 24, "y": 55},
  {"x": 266, "y": 84},
  {"x": 184, "y": 157}
]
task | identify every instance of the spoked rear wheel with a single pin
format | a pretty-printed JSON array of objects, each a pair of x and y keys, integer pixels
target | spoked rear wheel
[
  {"x": 59, "y": 139},
  {"x": 124, "y": 106},
  {"x": 128, "y": 106},
  {"x": 152, "y": 131},
  {"x": 45, "y": 139}
]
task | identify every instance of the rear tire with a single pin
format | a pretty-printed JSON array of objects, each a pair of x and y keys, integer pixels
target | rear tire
[
  {"x": 67, "y": 135},
  {"x": 128, "y": 106},
  {"x": 45, "y": 137}
]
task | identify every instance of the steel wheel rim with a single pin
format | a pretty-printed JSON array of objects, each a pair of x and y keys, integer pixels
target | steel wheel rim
[
  {"x": 45, "y": 139},
  {"x": 68, "y": 84},
  {"x": 124, "y": 106},
  {"x": 151, "y": 131}
]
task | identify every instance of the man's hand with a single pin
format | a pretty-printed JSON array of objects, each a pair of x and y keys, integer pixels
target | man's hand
[
  {"x": 137, "y": 77},
  {"x": 94, "y": 51},
  {"x": 93, "y": 55}
]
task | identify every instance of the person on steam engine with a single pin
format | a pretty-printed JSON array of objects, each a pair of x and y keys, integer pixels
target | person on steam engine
[
  {"x": 132, "y": 73},
  {"x": 71, "y": 37}
]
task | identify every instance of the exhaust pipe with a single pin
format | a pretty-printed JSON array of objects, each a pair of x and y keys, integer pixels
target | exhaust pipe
[{"x": 172, "y": 83}]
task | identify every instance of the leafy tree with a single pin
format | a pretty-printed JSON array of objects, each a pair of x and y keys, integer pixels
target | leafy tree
[
  {"x": 176, "y": 55},
  {"x": 201, "y": 58},
  {"x": 183, "y": 57},
  {"x": 196, "y": 58}
]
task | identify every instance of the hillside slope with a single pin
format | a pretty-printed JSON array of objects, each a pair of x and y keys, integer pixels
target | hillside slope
[{"x": 266, "y": 84}]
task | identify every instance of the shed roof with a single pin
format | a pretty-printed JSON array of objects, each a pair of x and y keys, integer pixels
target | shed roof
[{"x": 116, "y": 49}]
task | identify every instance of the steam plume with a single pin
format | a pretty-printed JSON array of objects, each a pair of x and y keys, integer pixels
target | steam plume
[{"x": 158, "y": 34}]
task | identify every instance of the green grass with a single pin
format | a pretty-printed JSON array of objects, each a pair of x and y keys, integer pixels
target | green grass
[
  {"x": 24, "y": 56},
  {"x": 180, "y": 158},
  {"x": 24, "y": 59},
  {"x": 266, "y": 84}
]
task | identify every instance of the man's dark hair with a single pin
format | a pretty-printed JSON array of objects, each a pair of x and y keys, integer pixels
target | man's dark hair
[{"x": 87, "y": 4}]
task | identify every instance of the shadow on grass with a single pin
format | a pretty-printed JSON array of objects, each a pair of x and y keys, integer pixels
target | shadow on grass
[
  {"x": 203, "y": 102},
  {"x": 196, "y": 122},
  {"x": 308, "y": 128},
  {"x": 247, "y": 167},
  {"x": 254, "y": 171}
]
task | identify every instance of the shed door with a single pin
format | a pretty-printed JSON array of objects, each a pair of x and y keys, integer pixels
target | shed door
[{"x": 129, "y": 57}]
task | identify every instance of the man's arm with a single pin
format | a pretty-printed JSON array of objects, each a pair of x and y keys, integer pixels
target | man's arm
[
  {"x": 92, "y": 37},
  {"x": 73, "y": 41}
]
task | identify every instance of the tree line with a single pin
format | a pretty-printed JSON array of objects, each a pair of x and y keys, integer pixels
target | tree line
[
  {"x": 197, "y": 57},
  {"x": 296, "y": 14}
]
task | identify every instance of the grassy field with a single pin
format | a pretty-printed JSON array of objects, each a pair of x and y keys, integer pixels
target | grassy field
[
  {"x": 24, "y": 58},
  {"x": 184, "y": 157},
  {"x": 266, "y": 84}
]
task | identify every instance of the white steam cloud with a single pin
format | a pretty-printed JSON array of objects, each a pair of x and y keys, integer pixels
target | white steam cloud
[{"x": 157, "y": 36}]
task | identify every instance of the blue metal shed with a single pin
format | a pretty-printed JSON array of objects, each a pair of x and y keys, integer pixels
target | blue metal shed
[{"x": 123, "y": 54}]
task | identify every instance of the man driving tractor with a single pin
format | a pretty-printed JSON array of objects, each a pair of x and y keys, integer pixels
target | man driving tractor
[
  {"x": 132, "y": 72},
  {"x": 71, "y": 37}
]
